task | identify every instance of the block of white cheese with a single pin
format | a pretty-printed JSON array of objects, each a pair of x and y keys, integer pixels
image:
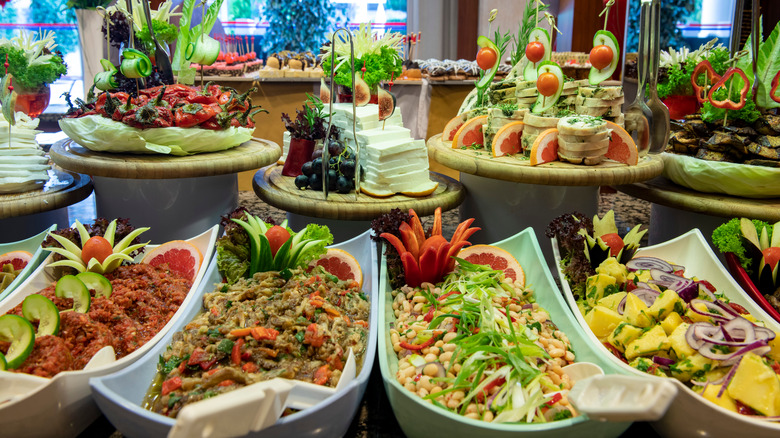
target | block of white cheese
[{"x": 23, "y": 166}]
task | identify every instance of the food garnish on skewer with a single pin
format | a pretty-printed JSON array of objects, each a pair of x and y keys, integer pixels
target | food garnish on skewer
[{"x": 605, "y": 54}]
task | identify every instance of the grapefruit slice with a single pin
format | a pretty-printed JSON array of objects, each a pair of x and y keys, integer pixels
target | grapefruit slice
[
  {"x": 18, "y": 259},
  {"x": 507, "y": 139},
  {"x": 496, "y": 258},
  {"x": 545, "y": 147},
  {"x": 341, "y": 264},
  {"x": 452, "y": 127},
  {"x": 180, "y": 256},
  {"x": 621, "y": 146},
  {"x": 470, "y": 133}
]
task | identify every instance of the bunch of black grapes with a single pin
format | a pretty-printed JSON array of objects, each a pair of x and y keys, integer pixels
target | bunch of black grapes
[{"x": 341, "y": 170}]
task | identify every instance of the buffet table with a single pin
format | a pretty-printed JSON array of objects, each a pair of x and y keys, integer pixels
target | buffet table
[
  {"x": 507, "y": 194},
  {"x": 23, "y": 215},
  {"x": 350, "y": 214},
  {"x": 177, "y": 197},
  {"x": 676, "y": 209}
]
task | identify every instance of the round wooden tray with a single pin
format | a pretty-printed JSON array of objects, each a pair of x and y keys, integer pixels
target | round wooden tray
[
  {"x": 509, "y": 168},
  {"x": 63, "y": 189},
  {"x": 664, "y": 192},
  {"x": 280, "y": 191},
  {"x": 252, "y": 154}
]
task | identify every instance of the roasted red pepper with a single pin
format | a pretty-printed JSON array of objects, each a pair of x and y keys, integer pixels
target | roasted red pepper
[
  {"x": 193, "y": 114},
  {"x": 171, "y": 384},
  {"x": 313, "y": 338},
  {"x": 728, "y": 104},
  {"x": 427, "y": 343},
  {"x": 235, "y": 353},
  {"x": 710, "y": 77},
  {"x": 773, "y": 90},
  {"x": 260, "y": 333}
]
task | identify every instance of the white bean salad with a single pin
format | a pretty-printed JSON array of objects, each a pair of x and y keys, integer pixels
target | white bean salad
[{"x": 478, "y": 345}]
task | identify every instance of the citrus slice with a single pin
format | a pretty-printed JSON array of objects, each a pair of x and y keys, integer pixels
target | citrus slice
[
  {"x": 545, "y": 147},
  {"x": 507, "y": 139},
  {"x": 496, "y": 258},
  {"x": 341, "y": 264},
  {"x": 180, "y": 257},
  {"x": 621, "y": 146},
  {"x": 470, "y": 133},
  {"x": 451, "y": 128},
  {"x": 18, "y": 259}
]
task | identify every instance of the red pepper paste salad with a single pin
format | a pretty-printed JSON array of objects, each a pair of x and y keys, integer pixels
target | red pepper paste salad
[
  {"x": 260, "y": 328},
  {"x": 143, "y": 300}
]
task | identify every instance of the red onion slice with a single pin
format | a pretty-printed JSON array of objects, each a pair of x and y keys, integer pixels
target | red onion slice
[
  {"x": 644, "y": 263},
  {"x": 697, "y": 331},
  {"x": 713, "y": 311},
  {"x": 664, "y": 279},
  {"x": 759, "y": 348},
  {"x": 729, "y": 376},
  {"x": 663, "y": 361},
  {"x": 622, "y": 305},
  {"x": 687, "y": 290},
  {"x": 648, "y": 296},
  {"x": 726, "y": 308},
  {"x": 740, "y": 329}
]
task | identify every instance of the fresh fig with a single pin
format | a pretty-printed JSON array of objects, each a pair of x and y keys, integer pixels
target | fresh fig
[
  {"x": 324, "y": 92},
  {"x": 386, "y": 101},
  {"x": 360, "y": 92}
]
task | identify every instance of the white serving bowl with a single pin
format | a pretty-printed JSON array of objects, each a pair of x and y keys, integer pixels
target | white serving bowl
[
  {"x": 62, "y": 406},
  {"x": 690, "y": 415},
  {"x": 120, "y": 395}
]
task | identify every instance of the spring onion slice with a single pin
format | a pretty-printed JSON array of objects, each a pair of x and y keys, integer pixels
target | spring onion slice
[
  {"x": 203, "y": 51},
  {"x": 135, "y": 64}
]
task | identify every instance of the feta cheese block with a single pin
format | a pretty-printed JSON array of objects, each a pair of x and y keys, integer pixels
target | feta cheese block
[
  {"x": 23, "y": 165},
  {"x": 285, "y": 147},
  {"x": 393, "y": 163}
]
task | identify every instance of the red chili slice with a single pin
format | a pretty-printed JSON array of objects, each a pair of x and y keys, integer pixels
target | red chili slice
[
  {"x": 427, "y": 343},
  {"x": 710, "y": 77},
  {"x": 728, "y": 104},
  {"x": 773, "y": 91}
]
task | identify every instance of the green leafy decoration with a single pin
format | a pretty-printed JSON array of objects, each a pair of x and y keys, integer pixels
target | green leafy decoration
[
  {"x": 749, "y": 113},
  {"x": 524, "y": 32},
  {"x": 768, "y": 66}
]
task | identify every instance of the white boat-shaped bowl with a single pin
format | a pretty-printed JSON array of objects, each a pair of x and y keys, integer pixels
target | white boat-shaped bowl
[
  {"x": 690, "y": 414},
  {"x": 31, "y": 245},
  {"x": 120, "y": 395},
  {"x": 63, "y": 405},
  {"x": 420, "y": 419}
]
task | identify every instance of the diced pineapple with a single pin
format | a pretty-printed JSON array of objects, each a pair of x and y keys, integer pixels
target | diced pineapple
[
  {"x": 678, "y": 342},
  {"x": 725, "y": 401},
  {"x": 665, "y": 304},
  {"x": 756, "y": 385},
  {"x": 774, "y": 353},
  {"x": 646, "y": 365},
  {"x": 650, "y": 342},
  {"x": 671, "y": 322},
  {"x": 692, "y": 367},
  {"x": 636, "y": 312},
  {"x": 623, "y": 335},
  {"x": 612, "y": 301},
  {"x": 640, "y": 276},
  {"x": 613, "y": 268},
  {"x": 597, "y": 287},
  {"x": 602, "y": 321}
]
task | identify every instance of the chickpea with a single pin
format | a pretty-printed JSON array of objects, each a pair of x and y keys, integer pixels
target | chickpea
[
  {"x": 422, "y": 392},
  {"x": 410, "y": 335},
  {"x": 407, "y": 308},
  {"x": 556, "y": 352},
  {"x": 396, "y": 347},
  {"x": 458, "y": 395},
  {"x": 488, "y": 416},
  {"x": 430, "y": 357},
  {"x": 435, "y": 390},
  {"x": 558, "y": 344},
  {"x": 419, "y": 299},
  {"x": 431, "y": 370},
  {"x": 556, "y": 379},
  {"x": 434, "y": 350},
  {"x": 449, "y": 336},
  {"x": 439, "y": 343},
  {"x": 471, "y": 408},
  {"x": 418, "y": 307},
  {"x": 472, "y": 415},
  {"x": 410, "y": 387},
  {"x": 445, "y": 357},
  {"x": 449, "y": 347},
  {"x": 569, "y": 356},
  {"x": 452, "y": 403},
  {"x": 394, "y": 337},
  {"x": 425, "y": 382}
]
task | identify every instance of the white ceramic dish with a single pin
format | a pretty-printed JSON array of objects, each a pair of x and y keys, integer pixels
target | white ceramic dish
[
  {"x": 690, "y": 414},
  {"x": 120, "y": 395},
  {"x": 63, "y": 406},
  {"x": 420, "y": 419},
  {"x": 31, "y": 245}
]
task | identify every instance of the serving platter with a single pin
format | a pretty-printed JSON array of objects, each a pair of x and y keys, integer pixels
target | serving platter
[
  {"x": 63, "y": 406},
  {"x": 420, "y": 419},
  {"x": 31, "y": 245},
  {"x": 744, "y": 280},
  {"x": 120, "y": 395},
  {"x": 689, "y": 414}
]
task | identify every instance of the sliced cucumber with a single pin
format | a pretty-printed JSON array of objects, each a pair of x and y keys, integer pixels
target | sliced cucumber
[
  {"x": 487, "y": 78},
  {"x": 543, "y": 103},
  {"x": 541, "y": 35},
  {"x": 71, "y": 287},
  {"x": 21, "y": 334},
  {"x": 39, "y": 308},
  {"x": 606, "y": 38},
  {"x": 96, "y": 282}
]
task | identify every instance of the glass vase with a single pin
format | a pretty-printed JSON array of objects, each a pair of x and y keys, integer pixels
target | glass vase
[{"x": 32, "y": 102}]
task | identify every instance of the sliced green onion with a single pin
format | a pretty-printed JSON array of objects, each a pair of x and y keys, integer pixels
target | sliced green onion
[
  {"x": 203, "y": 51},
  {"x": 135, "y": 64}
]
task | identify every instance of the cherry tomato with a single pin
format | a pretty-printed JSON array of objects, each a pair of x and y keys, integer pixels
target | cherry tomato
[
  {"x": 614, "y": 242},
  {"x": 534, "y": 51},
  {"x": 547, "y": 84},
  {"x": 771, "y": 256},
  {"x": 276, "y": 236},
  {"x": 96, "y": 247},
  {"x": 486, "y": 58},
  {"x": 600, "y": 56}
]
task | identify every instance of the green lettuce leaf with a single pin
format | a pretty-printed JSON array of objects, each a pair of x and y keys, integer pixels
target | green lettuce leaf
[
  {"x": 314, "y": 232},
  {"x": 768, "y": 65},
  {"x": 232, "y": 260},
  {"x": 98, "y": 133}
]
